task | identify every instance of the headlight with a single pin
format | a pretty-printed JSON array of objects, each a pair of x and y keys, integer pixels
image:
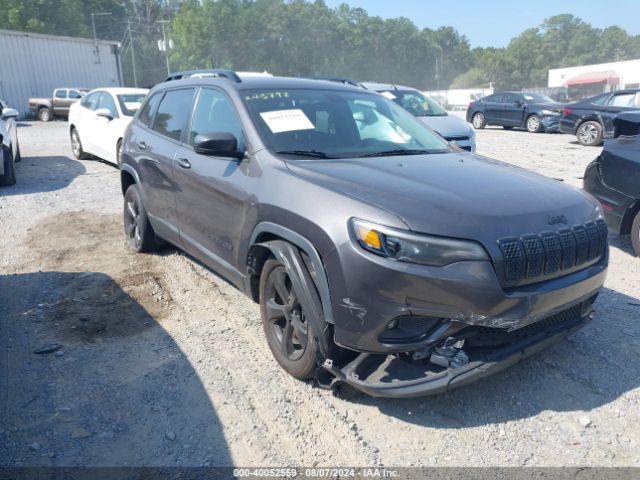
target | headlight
[
  {"x": 409, "y": 247},
  {"x": 549, "y": 112}
]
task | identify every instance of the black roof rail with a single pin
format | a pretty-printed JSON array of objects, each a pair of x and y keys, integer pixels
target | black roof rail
[
  {"x": 337, "y": 79},
  {"x": 211, "y": 72}
]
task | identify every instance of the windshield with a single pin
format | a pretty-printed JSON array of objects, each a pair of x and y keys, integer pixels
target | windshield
[
  {"x": 538, "y": 98},
  {"x": 337, "y": 124},
  {"x": 130, "y": 103},
  {"x": 415, "y": 103}
]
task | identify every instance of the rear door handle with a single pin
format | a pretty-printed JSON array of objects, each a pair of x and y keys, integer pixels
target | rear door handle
[
  {"x": 183, "y": 162},
  {"x": 142, "y": 145}
]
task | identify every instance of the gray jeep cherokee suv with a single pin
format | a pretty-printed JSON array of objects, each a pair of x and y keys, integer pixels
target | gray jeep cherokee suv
[{"x": 381, "y": 257}]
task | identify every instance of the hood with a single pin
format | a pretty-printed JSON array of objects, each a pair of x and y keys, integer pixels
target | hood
[
  {"x": 456, "y": 195},
  {"x": 448, "y": 126}
]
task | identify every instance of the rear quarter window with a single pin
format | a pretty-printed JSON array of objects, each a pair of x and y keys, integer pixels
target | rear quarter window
[{"x": 149, "y": 109}]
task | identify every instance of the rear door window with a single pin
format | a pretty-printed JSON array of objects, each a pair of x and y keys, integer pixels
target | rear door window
[
  {"x": 61, "y": 94},
  {"x": 510, "y": 98},
  {"x": 173, "y": 112}
]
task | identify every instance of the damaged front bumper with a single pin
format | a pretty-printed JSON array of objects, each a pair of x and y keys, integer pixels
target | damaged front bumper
[{"x": 393, "y": 376}]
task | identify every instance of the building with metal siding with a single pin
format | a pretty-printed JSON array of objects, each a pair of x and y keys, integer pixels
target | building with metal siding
[{"x": 33, "y": 65}]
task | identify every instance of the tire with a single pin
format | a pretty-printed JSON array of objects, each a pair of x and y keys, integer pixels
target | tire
[
  {"x": 137, "y": 228},
  {"x": 534, "y": 124},
  {"x": 9, "y": 176},
  {"x": 507, "y": 128},
  {"x": 478, "y": 121},
  {"x": 119, "y": 153},
  {"x": 284, "y": 324},
  {"x": 18, "y": 158},
  {"x": 76, "y": 145},
  {"x": 589, "y": 133},
  {"x": 635, "y": 234},
  {"x": 44, "y": 114}
]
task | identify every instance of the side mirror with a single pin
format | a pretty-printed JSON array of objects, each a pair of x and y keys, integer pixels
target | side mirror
[
  {"x": 9, "y": 113},
  {"x": 217, "y": 144},
  {"x": 105, "y": 112}
]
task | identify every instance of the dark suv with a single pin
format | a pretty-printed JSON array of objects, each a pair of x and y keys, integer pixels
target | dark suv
[{"x": 381, "y": 256}]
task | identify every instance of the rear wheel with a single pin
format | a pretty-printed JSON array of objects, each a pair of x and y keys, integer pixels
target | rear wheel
[
  {"x": 534, "y": 124},
  {"x": 138, "y": 229},
  {"x": 9, "y": 176},
  {"x": 478, "y": 121},
  {"x": 589, "y": 134},
  {"x": 44, "y": 114},
  {"x": 285, "y": 325},
  {"x": 76, "y": 146},
  {"x": 635, "y": 234}
]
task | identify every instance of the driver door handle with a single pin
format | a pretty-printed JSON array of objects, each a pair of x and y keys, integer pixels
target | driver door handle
[
  {"x": 183, "y": 162},
  {"x": 142, "y": 145}
]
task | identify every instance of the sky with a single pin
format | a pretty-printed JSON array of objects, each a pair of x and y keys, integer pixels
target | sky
[{"x": 492, "y": 23}]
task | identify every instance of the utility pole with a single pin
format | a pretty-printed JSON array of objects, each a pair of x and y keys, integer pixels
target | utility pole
[
  {"x": 165, "y": 45},
  {"x": 95, "y": 35},
  {"x": 133, "y": 55}
]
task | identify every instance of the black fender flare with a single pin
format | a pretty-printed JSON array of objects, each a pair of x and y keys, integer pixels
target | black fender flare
[
  {"x": 130, "y": 170},
  {"x": 321, "y": 282},
  {"x": 304, "y": 285}
]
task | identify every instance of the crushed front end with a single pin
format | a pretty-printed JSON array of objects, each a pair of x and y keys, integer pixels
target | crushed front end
[{"x": 416, "y": 330}]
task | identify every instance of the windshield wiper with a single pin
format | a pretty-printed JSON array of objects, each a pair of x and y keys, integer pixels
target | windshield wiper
[
  {"x": 399, "y": 151},
  {"x": 306, "y": 153}
]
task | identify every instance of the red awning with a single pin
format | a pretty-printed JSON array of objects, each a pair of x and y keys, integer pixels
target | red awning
[{"x": 608, "y": 77}]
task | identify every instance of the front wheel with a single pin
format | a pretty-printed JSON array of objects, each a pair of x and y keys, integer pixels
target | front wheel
[
  {"x": 9, "y": 176},
  {"x": 534, "y": 124},
  {"x": 76, "y": 145},
  {"x": 285, "y": 325},
  {"x": 478, "y": 121},
  {"x": 589, "y": 134},
  {"x": 635, "y": 234}
]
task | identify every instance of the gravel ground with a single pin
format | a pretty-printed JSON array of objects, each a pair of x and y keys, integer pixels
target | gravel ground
[{"x": 156, "y": 361}]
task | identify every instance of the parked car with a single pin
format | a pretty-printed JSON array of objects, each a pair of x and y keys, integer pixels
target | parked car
[
  {"x": 591, "y": 120},
  {"x": 97, "y": 123},
  {"x": 533, "y": 111},
  {"x": 614, "y": 178},
  {"x": 450, "y": 127},
  {"x": 58, "y": 105},
  {"x": 9, "y": 143},
  {"x": 385, "y": 257}
]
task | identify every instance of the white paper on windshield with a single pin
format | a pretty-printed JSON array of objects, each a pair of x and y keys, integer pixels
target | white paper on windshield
[
  {"x": 280, "y": 121},
  {"x": 389, "y": 95}
]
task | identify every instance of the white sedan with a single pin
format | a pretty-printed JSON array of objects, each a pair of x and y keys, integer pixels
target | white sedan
[{"x": 97, "y": 122}]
